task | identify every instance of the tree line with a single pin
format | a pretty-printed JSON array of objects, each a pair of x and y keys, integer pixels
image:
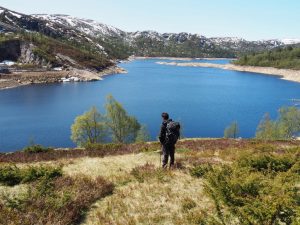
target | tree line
[
  {"x": 281, "y": 57},
  {"x": 285, "y": 127},
  {"x": 117, "y": 126}
]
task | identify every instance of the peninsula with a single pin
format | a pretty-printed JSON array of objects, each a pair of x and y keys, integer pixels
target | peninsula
[{"x": 286, "y": 74}]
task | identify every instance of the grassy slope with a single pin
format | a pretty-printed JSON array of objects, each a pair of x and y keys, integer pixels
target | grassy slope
[
  {"x": 144, "y": 194},
  {"x": 283, "y": 58}
]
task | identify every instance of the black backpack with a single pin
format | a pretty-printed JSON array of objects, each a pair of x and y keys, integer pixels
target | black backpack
[{"x": 172, "y": 132}]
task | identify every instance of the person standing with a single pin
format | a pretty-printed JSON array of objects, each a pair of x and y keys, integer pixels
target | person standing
[{"x": 168, "y": 136}]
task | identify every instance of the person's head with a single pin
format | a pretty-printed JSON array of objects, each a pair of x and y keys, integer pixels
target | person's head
[{"x": 165, "y": 116}]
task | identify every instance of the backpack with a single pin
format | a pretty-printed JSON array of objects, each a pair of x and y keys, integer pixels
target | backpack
[{"x": 172, "y": 132}]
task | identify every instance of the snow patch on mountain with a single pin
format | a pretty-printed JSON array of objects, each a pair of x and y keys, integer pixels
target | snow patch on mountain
[
  {"x": 289, "y": 41},
  {"x": 89, "y": 27},
  {"x": 220, "y": 40},
  {"x": 16, "y": 14}
]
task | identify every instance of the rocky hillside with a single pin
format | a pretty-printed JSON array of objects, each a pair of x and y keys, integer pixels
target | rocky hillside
[
  {"x": 33, "y": 41},
  {"x": 114, "y": 43},
  {"x": 37, "y": 50}
]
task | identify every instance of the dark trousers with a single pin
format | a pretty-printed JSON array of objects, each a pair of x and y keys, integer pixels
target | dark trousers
[{"x": 168, "y": 150}]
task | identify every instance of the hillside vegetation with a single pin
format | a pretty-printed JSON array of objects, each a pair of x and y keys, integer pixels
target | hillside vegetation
[
  {"x": 52, "y": 52},
  {"x": 215, "y": 181},
  {"x": 283, "y": 58}
]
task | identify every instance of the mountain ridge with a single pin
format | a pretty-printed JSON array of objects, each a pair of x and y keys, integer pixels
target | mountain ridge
[
  {"x": 216, "y": 38},
  {"x": 119, "y": 44}
]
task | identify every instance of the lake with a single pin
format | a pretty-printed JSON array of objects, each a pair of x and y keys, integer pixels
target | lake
[{"x": 204, "y": 100}]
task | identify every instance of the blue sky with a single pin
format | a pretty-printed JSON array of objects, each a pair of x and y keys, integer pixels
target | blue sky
[{"x": 250, "y": 19}]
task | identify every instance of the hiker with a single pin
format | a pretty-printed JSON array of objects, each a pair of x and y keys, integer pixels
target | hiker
[{"x": 168, "y": 136}]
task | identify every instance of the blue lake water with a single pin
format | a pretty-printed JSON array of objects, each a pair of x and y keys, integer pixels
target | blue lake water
[{"x": 204, "y": 100}]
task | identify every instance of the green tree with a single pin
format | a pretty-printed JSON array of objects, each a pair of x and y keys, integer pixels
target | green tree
[
  {"x": 267, "y": 129},
  {"x": 289, "y": 122},
  {"x": 232, "y": 131},
  {"x": 88, "y": 128},
  {"x": 124, "y": 128},
  {"x": 285, "y": 127},
  {"x": 143, "y": 135}
]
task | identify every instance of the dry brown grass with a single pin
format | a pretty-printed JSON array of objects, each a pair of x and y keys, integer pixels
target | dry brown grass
[
  {"x": 111, "y": 167},
  {"x": 11, "y": 191},
  {"x": 152, "y": 202}
]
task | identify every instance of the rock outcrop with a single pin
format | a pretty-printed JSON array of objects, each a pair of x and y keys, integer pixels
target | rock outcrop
[{"x": 10, "y": 50}]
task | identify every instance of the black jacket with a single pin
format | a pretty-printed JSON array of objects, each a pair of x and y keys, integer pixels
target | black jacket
[{"x": 162, "y": 133}]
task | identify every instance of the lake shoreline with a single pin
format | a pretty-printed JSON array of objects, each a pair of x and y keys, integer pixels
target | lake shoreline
[
  {"x": 175, "y": 58},
  {"x": 285, "y": 74},
  {"x": 22, "y": 78}
]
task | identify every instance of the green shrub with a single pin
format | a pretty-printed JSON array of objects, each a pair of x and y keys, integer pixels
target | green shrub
[
  {"x": 10, "y": 175},
  {"x": 105, "y": 148},
  {"x": 199, "y": 218},
  {"x": 259, "y": 190},
  {"x": 187, "y": 204},
  {"x": 63, "y": 200},
  {"x": 296, "y": 168},
  {"x": 149, "y": 148},
  {"x": 268, "y": 162},
  {"x": 183, "y": 150},
  {"x": 13, "y": 175},
  {"x": 37, "y": 149},
  {"x": 45, "y": 55},
  {"x": 200, "y": 170}
]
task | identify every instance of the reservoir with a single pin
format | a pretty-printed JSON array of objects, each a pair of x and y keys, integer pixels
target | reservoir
[{"x": 204, "y": 100}]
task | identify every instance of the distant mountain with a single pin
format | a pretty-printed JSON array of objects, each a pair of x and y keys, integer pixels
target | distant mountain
[
  {"x": 108, "y": 42},
  {"x": 151, "y": 43}
]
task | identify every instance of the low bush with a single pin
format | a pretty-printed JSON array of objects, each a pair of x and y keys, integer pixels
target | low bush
[
  {"x": 149, "y": 148},
  {"x": 259, "y": 190},
  {"x": 271, "y": 162},
  {"x": 37, "y": 149},
  {"x": 200, "y": 170},
  {"x": 188, "y": 204},
  {"x": 54, "y": 201},
  {"x": 296, "y": 168},
  {"x": 199, "y": 218},
  {"x": 105, "y": 148},
  {"x": 13, "y": 175}
]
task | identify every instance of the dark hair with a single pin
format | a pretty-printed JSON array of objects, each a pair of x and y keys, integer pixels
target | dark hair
[{"x": 165, "y": 115}]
